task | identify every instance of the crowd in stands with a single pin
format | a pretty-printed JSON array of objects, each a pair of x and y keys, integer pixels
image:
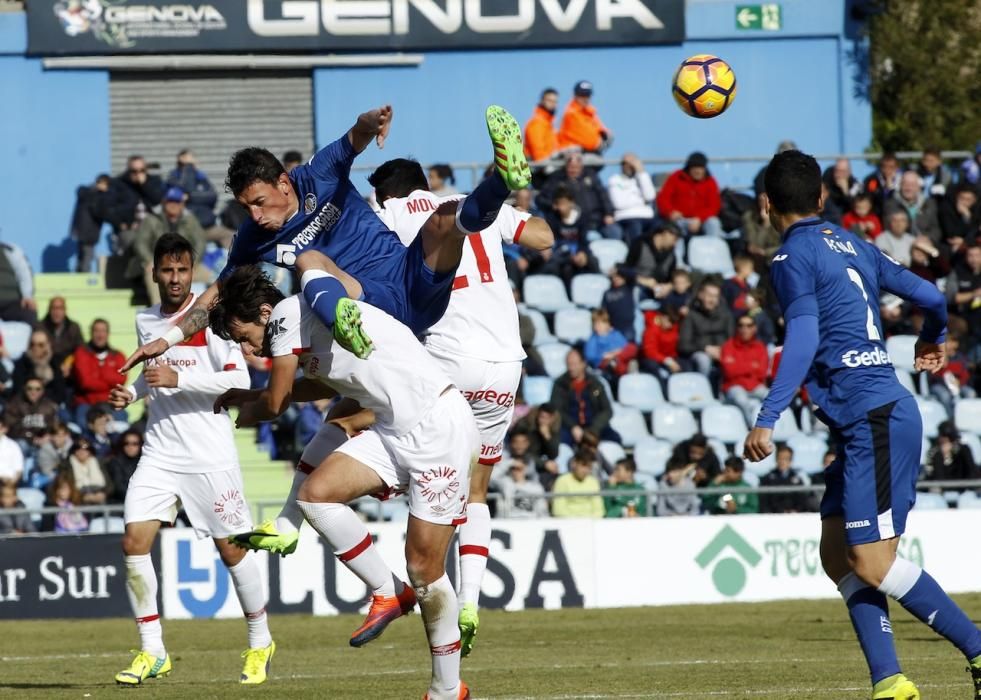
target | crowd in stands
[{"x": 656, "y": 282}]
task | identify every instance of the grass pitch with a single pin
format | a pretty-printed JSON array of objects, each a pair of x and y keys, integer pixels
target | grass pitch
[{"x": 787, "y": 650}]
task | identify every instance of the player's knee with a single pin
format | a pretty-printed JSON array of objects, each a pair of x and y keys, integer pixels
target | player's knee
[
  {"x": 229, "y": 553},
  {"x": 422, "y": 568},
  {"x": 135, "y": 545},
  {"x": 870, "y": 568}
]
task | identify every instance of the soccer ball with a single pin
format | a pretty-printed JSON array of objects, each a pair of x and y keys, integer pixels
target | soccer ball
[{"x": 704, "y": 86}]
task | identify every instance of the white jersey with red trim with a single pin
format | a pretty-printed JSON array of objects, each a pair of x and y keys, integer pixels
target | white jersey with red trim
[
  {"x": 399, "y": 381},
  {"x": 481, "y": 321},
  {"x": 183, "y": 433}
]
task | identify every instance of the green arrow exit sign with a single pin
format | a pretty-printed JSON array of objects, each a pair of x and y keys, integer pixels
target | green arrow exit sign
[{"x": 766, "y": 17}]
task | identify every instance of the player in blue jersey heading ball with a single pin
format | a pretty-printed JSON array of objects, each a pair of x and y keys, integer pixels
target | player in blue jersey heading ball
[
  {"x": 828, "y": 281},
  {"x": 313, "y": 220}
]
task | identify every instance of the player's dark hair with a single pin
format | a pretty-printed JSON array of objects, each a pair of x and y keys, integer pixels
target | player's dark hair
[
  {"x": 793, "y": 183},
  {"x": 398, "y": 177},
  {"x": 172, "y": 245},
  {"x": 241, "y": 297},
  {"x": 252, "y": 165}
]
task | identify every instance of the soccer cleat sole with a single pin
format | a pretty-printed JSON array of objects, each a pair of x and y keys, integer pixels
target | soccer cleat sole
[
  {"x": 348, "y": 331},
  {"x": 509, "y": 151}
]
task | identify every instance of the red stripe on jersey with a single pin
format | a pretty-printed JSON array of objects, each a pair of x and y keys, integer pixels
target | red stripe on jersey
[
  {"x": 300, "y": 351},
  {"x": 483, "y": 262},
  {"x": 474, "y": 549},
  {"x": 460, "y": 282},
  {"x": 519, "y": 231},
  {"x": 148, "y": 618},
  {"x": 305, "y": 468},
  {"x": 355, "y": 550},
  {"x": 490, "y": 461},
  {"x": 229, "y": 367},
  {"x": 445, "y": 649},
  {"x": 198, "y": 340}
]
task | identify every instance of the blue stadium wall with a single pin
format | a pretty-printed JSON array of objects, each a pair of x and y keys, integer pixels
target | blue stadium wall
[{"x": 795, "y": 83}]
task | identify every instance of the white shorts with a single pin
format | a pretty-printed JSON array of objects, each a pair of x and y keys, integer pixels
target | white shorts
[
  {"x": 489, "y": 387},
  {"x": 214, "y": 501},
  {"x": 431, "y": 462}
]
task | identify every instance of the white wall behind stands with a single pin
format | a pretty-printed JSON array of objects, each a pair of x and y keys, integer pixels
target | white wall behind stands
[{"x": 579, "y": 563}]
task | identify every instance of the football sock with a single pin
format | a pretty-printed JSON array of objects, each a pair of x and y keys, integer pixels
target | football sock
[
  {"x": 480, "y": 208},
  {"x": 352, "y": 544},
  {"x": 437, "y": 601},
  {"x": 474, "y": 543},
  {"x": 141, "y": 587},
  {"x": 922, "y": 596},
  {"x": 322, "y": 291},
  {"x": 291, "y": 517},
  {"x": 869, "y": 611},
  {"x": 248, "y": 586}
]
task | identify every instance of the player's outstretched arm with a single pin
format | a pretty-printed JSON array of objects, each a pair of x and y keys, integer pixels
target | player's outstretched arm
[
  {"x": 193, "y": 321},
  {"x": 537, "y": 234},
  {"x": 272, "y": 401},
  {"x": 373, "y": 125},
  {"x": 305, "y": 389}
]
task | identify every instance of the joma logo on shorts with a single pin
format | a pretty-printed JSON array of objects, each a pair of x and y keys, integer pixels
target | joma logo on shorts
[
  {"x": 874, "y": 358},
  {"x": 855, "y": 524}
]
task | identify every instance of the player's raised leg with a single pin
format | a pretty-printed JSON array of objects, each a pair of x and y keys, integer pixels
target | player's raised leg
[{"x": 329, "y": 292}]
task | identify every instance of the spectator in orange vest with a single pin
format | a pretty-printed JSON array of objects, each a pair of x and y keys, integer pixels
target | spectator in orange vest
[
  {"x": 580, "y": 124},
  {"x": 541, "y": 141}
]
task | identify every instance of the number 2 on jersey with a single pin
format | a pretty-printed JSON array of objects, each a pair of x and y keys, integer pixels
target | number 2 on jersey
[
  {"x": 483, "y": 263},
  {"x": 870, "y": 326}
]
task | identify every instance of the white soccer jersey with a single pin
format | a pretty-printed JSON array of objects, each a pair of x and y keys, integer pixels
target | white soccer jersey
[
  {"x": 399, "y": 381},
  {"x": 482, "y": 320},
  {"x": 183, "y": 433}
]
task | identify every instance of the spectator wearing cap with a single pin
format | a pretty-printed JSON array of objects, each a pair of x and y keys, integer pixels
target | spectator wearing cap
[
  {"x": 949, "y": 460},
  {"x": 16, "y": 286},
  {"x": 690, "y": 198},
  {"x": 132, "y": 196},
  {"x": 581, "y": 125},
  {"x": 95, "y": 371},
  {"x": 66, "y": 335},
  {"x": 744, "y": 361},
  {"x": 90, "y": 213},
  {"x": 632, "y": 195},
  {"x": 442, "y": 182},
  {"x": 173, "y": 219},
  {"x": 541, "y": 141},
  {"x": 842, "y": 186},
  {"x": 201, "y": 194}
]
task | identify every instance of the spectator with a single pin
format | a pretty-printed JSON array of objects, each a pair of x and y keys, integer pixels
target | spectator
[
  {"x": 744, "y": 361},
  {"x": 201, "y": 194},
  {"x": 63, "y": 494},
  {"x": 783, "y": 474},
  {"x": 533, "y": 363},
  {"x": 949, "y": 460},
  {"x": 541, "y": 141},
  {"x": 920, "y": 207},
  {"x": 680, "y": 295},
  {"x": 860, "y": 219},
  {"x": 651, "y": 259},
  {"x": 173, "y": 219},
  {"x": 697, "y": 452},
  {"x": 570, "y": 254},
  {"x": 11, "y": 457},
  {"x": 55, "y": 450},
  {"x": 737, "y": 288},
  {"x": 543, "y": 428},
  {"x": 927, "y": 261},
  {"x": 971, "y": 168},
  {"x": 91, "y": 212},
  {"x": 678, "y": 476},
  {"x": 607, "y": 349},
  {"x": 441, "y": 180},
  {"x": 842, "y": 186},
  {"x": 830, "y": 211},
  {"x": 881, "y": 184},
  {"x": 582, "y": 402},
  {"x": 632, "y": 195},
  {"x": 132, "y": 195},
  {"x": 291, "y": 159},
  {"x": 89, "y": 476},
  {"x": 620, "y": 302},
  {"x": 122, "y": 465},
  {"x": 95, "y": 371},
  {"x": 570, "y": 487},
  {"x": 964, "y": 290},
  {"x": 960, "y": 217},
  {"x": 706, "y": 327},
  {"x": 97, "y": 431},
  {"x": 659, "y": 352},
  {"x": 595, "y": 207},
  {"x": 633, "y": 501},
  {"x": 954, "y": 381},
  {"x": 897, "y": 241},
  {"x": 11, "y": 524},
  {"x": 521, "y": 498},
  {"x": 765, "y": 329},
  {"x": 732, "y": 503},
  {"x": 16, "y": 286},
  {"x": 65, "y": 334},
  {"x": 581, "y": 125},
  {"x": 39, "y": 361},
  {"x": 935, "y": 175},
  {"x": 762, "y": 240},
  {"x": 30, "y": 412},
  {"x": 690, "y": 198}
]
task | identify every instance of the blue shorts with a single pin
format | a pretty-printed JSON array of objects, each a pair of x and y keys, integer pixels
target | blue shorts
[{"x": 872, "y": 482}]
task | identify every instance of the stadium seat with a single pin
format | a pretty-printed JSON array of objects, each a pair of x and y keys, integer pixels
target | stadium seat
[
  {"x": 906, "y": 379},
  {"x": 113, "y": 525},
  {"x": 545, "y": 293},
  {"x": 16, "y": 336},
  {"x": 727, "y": 423},
  {"x": 900, "y": 349},
  {"x": 967, "y": 415},
  {"x": 758, "y": 468},
  {"x": 562, "y": 459},
  {"x": 652, "y": 455},
  {"x": 606, "y": 385},
  {"x": 641, "y": 391},
  {"x": 933, "y": 414},
  {"x": 612, "y": 452},
  {"x": 608, "y": 253},
  {"x": 673, "y": 423},
  {"x": 629, "y": 424},
  {"x": 751, "y": 478},
  {"x": 588, "y": 289},
  {"x": 542, "y": 333},
  {"x": 536, "y": 390},
  {"x": 786, "y": 427},
  {"x": 691, "y": 389},
  {"x": 969, "y": 499},
  {"x": 924, "y": 450},
  {"x": 710, "y": 255},
  {"x": 719, "y": 448},
  {"x": 573, "y": 325},
  {"x": 809, "y": 451},
  {"x": 930, "y": 501},
  {"x": 32, "y": 498},
  {"x": 973, "y": 443},
  {"x": 553, "y": 357}
]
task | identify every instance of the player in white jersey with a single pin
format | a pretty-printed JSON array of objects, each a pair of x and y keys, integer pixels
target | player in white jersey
[
  {"x": 188, "y": 457},
  {"x": 477, "y": 343},
  {"x": 423, "y": 442}
]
